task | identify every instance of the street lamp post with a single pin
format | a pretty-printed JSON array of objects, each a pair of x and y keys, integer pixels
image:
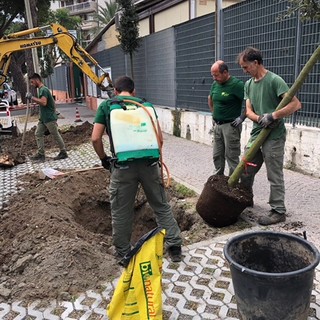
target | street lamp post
[
  {"x": 30, "y": 26},
  {"x": 218, "y": 27}
]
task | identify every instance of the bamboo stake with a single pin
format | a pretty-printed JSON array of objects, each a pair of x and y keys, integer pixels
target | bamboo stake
[{"x": 234, "y": 178}]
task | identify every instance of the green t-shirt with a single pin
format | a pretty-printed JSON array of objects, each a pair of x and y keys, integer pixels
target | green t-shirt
[
  {"x": 265, "y": 95},
  {"x": 47, "y": 113},
  {"x": 227, "y": 99}
]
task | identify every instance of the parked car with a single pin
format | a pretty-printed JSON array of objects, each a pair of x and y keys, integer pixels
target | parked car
[
  {"x": 7, "y": 125},
  {"x": 7, "y": 93}
]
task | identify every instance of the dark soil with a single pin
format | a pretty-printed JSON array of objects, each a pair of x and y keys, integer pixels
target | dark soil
[
  {"x": 56, "y": 236},
  {"x": 219, "y": 204},
  {"x": 12, "y": 147}
]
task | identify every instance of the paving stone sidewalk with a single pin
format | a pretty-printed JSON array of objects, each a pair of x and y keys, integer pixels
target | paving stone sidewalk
[{"x": 200, "y": 287}]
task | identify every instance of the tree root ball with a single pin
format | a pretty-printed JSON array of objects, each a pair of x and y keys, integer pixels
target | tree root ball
[{"x": 220, "y": 205}]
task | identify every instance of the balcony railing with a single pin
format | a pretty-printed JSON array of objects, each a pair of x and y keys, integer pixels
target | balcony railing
[
  {"x": 88, "y": 24},
  {"x": 85, "y": 7}
]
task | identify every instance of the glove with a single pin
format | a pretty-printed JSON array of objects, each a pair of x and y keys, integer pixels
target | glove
[
  {"x": 266, "y": 120},
  {"x": 29, "y": 96},
  {"x": 237, "y": 121},
  {"x": 106, "y": 162}
]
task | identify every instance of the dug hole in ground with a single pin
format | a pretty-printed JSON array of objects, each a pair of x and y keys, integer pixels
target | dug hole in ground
[{"x": 56, "y": 235}]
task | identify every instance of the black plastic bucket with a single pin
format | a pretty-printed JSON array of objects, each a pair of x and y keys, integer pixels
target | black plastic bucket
[{"x": 272, "y": 275}]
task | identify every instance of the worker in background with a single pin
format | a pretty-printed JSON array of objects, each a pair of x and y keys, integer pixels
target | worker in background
[
  {"x": 263, "y": 93},
  {"x": 47, "y": 119},
  {"x": 125, "y": 177},
  {"x": 225, "y": 102}
]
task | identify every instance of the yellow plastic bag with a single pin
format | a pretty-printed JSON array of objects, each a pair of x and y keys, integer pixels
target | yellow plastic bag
[{"x": 138, "y": 295}]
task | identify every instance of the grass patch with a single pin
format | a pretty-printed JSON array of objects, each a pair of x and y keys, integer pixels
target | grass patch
[{"x": 182, "y": 191}]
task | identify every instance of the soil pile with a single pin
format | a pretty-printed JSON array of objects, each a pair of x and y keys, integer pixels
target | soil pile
[
  {"x": 10, "y": 147},
  {"x": 56, "y": 235}
]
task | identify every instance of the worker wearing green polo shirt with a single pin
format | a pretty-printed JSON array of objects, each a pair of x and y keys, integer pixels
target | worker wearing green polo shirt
[
  {"x": 225, "y": 102},
  {"x": 129, "y": 167}
]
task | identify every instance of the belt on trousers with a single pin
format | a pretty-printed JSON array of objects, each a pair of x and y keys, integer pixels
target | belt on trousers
[{"x": 218, "y": 122}]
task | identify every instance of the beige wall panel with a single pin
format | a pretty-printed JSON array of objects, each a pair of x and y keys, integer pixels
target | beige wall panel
[
  {"x": 110, "y": 38},
  {"x": 172, "y": 16},
  {"x": 204, "y": 7},
  {"x": 144, "y": 29}
]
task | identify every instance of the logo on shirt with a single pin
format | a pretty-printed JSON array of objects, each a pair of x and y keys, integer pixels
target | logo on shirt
[{"x": 225, "y": 94}]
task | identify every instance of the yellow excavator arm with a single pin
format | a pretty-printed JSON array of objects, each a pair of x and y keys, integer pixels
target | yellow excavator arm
[{"x": 61, "y": 38}]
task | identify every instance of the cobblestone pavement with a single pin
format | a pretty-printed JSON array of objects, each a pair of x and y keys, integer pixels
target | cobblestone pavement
[{"x": 200, "y": 287}]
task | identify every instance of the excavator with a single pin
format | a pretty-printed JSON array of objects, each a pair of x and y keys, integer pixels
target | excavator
[{"x": 60, "y": 37}]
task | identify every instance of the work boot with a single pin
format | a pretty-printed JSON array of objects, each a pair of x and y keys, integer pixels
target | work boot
[
  {"x": 121, "y": 259},
  {"x": 62, "y": 155},
  {"x": 175, "y": 253},
  {"x": 38, "y": 157},
  {"x": 272, "y": 218}
]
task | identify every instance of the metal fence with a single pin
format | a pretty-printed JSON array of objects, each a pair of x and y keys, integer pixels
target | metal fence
[
  {"x": 194, "y": 57},
  {"x": 172, "y": 67},
  {"x": 286, "y": 46}
]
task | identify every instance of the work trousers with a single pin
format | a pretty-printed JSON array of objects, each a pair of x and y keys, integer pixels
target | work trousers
[
  {"x": 226, "y": 147},
  {"x": 272, "y": 154},
  {"x": 123, "y": 188},
  {"x": 52, "y": 126}
]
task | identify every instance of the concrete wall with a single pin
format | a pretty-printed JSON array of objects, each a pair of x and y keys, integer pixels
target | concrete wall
[{"x": 302, "y": 151}]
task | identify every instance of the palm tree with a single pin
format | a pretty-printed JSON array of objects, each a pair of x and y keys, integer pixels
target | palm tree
[{"x": 106, "y": 12}]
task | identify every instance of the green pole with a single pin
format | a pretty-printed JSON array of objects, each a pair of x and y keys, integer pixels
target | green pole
[{"x": 234, "y": 178}]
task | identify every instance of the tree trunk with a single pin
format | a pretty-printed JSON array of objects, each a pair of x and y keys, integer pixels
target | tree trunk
[
  {"x": 131, "y": 63},
  {"x": 18, "y": 78}
]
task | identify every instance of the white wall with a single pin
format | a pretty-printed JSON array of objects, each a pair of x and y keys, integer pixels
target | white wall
[{"x": 302, "y": 151}]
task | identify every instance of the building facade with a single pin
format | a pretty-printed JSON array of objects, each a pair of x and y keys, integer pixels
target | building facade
[{"x": 87, "y": 11}]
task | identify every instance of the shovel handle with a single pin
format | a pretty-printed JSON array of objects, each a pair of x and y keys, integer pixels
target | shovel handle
[{"x": 76, "y": 171}]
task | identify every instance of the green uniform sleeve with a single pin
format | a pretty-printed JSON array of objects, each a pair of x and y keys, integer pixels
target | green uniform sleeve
[
  {"x": 246, "y": 89},
  {"x": 239, "y": 92},
  {"x": 102, "y": 113},
  {"x": 280, "y": 86}
]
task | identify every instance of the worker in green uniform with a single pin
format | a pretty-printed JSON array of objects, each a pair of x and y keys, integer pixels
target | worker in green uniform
[
  {"x": 225, "y": 102},
  {"x": 126, "y": 175},
  {"x": 263, "y": 93},
  {"x": 47, "y": 119}
]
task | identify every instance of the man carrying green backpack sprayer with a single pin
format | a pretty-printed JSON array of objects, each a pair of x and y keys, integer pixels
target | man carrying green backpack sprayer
[{"x": 135, "y": 143}]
